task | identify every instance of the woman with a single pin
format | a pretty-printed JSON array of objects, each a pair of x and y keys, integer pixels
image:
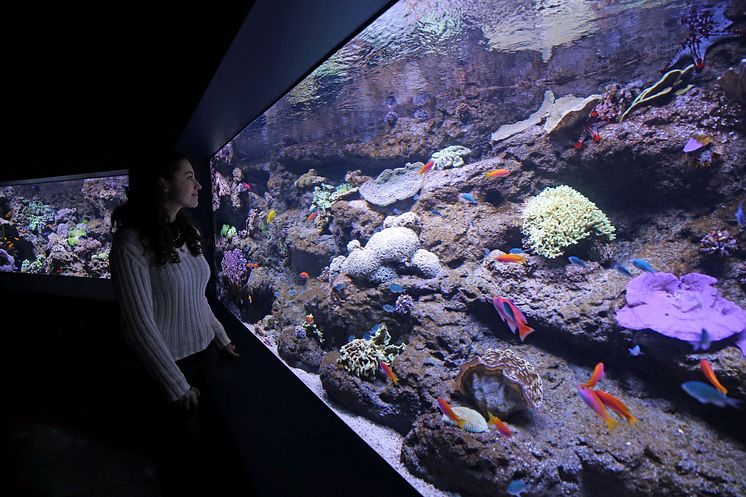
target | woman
[{"x": 160, "y": 277}]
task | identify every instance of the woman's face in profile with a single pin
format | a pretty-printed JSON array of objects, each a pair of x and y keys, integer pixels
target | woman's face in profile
[{"x": 183, "y": 188}]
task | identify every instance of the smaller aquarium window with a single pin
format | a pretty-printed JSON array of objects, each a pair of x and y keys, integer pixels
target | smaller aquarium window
[{"x": 59, "y": 225}]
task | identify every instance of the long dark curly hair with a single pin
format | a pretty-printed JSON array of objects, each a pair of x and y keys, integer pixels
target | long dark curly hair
[{"x": 144, "y": 210}]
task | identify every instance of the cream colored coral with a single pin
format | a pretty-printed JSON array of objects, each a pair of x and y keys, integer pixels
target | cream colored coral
[{"x": 559, "y": 217}]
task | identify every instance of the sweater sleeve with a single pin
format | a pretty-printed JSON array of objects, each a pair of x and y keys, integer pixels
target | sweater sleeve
[
  {"x": 131, "y": 279},
  {"x": 220, "y": 335}
]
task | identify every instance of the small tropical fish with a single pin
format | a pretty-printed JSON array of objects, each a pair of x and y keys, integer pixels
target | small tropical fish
[
  {"x": 396, "y": 211},
  {"x": 308, "y": 319},
  {"x": 339, "y": 286},
  {"x": 426, "y": 167},
  {"x": 642, "y": 265},
  {"x": 497, "y": 173},
  {"x": 622, "y": 269},
  {"x": 512, "y": 316},
  {"x": 416, "y": 197},
  {"x": 350, "y": 338},
  {"x": 590, "y": 398},
  {"x": 617, "y": 406},
  {"x": 598, "y": 375},
  {"x": 469, "y": 198},
  {"x": 242, "y": 187},
  {"x": 739, "y": 215},
  {"x": 312, "y": 216},
  {"x": 388, "y": 308},
  {"x": 448, "y": 411},
  {"x": 516, "y": 487},
  {"x": 277, "y": 293},
  {"x": 291, "y": 292},
  {"x": 271, "y": 215},
  {"x": 436, "y": 213},
  {"x": 696, "y": 142},
  {"x": 396, "y": 288},
  {"x": 303, "y": 275},
  {"x": 710, "y": 374},
  {"x": 635, "y": 351},
  {"x": 704, "y": 341},
  {"x": 390, "y": 373},
  {"x": 705, "y": 394},
  {"x": 517, "y": 251},
  {"x": 578, "y": 261},
  {"x": 487, "y": 252},
  {"x": 502, "y": 428},
  {"x": 252, "y": 265},
  {"x": 510, "y": 258}
]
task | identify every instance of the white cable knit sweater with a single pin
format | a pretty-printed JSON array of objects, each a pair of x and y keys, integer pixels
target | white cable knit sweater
[{"x": 164, "y": 310}]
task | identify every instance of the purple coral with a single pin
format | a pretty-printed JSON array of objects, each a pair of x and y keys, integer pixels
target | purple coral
[
  {"x": 718, "y": 242},
  {"x": 404, "y": 304},
  {"x": 680, "y": 308},
  {"x": 234, "y": 267},
  {"x": 7, "y": 262}
]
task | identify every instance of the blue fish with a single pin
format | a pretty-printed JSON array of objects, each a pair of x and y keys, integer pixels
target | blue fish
[
  {"x": 469, "y": 198},
  {"x": 706, "y": 394},
  {"x": 339, "y": 286},
  {"x": 577, "y": 261},
  {"x": 367, "y": 335},
  {"x": 396, "y": 211},
  {"x": 436, "y": 213},
  {"x": 643, "y": 265},
  {"x": 516, "y": 487},
  {"x": 635, "y": 351},
  {"x": 416, "y": 196},
  {"x": 277, "y": 293},
  {"x": 291, "y": 292},
  {"x": 350, "y": 338},
  {"x": 739, "y": 215},
  {"x": 517, "y": 251},
  {"x": 396, "y": 288},
  {"x": 622, "y": 269},
  {"x": 487, "y": 252},
  {"x": 704, "y": 341},
  {"x": 388, "y": 307}
]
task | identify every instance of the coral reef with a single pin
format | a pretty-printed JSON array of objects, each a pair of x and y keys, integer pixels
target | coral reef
[
  {"x": 560, "y": 217},
  {"x": 362, "y": 357},
  {"x": 733, "y": 81},
  {"x": 393, "y": 185},
  {"x": 718, "y": 243},
  {"x": 449, "y": 157},
  {"x": 671, "y": 82}
]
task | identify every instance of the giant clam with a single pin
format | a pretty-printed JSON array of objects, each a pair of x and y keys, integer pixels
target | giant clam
[{"x": 500, "y": 382}]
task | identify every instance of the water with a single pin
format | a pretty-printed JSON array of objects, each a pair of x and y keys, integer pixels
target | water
[
  {"x": 538, "y": 89},
  {"x": 59, "y": 227}
]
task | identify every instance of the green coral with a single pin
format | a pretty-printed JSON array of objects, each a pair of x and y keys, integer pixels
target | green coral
[
  {"x": 228, "y": 231},
  {"x": 362, "y": 357},
  {"x": 103, "y": 257},
  {"x": 324, "y": 196},
  {"x": 33, "y": 267},
  {"x": 39, "y": 214},
  {"x": 75, "y": 234},
  {"x": 560, "y": 217}
]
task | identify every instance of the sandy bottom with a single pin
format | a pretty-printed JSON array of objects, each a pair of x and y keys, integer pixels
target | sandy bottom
[{"x": 385, "y": 441}]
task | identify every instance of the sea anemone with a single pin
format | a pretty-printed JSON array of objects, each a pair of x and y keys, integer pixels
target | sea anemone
[{"x": 718, "y": 242}]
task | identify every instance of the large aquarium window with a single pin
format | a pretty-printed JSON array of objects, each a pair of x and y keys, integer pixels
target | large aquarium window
[
  {"x": 504, "y": 241},
  {"x": 59, "y": 226}
]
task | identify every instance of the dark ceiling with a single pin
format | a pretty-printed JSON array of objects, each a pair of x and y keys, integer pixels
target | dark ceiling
[{"x": 96, "y": 89}]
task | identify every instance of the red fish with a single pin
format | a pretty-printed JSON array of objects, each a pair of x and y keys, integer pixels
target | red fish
[
  {"x": 448, "y": 411},
  {"x": 246, "y": 186},
  {"x": 497, "y": 173},
  {"x": 390, "y": 373},
  {"x": 511, "y": 258},
  {"x": 502, "y": 428},
  {"x": 590, "y": 398},
  {"x": 303, "y": 275},
  {"x": 308, "y": 319},
  {"x": 710, "y": 374},
  {"x": 511, "y": 315},
  {"x": 426, "y": 167},
  {"x": 312, "y": 216},
  {"x": 598, "y": 375},
  {"x": 616, "y": 405}
]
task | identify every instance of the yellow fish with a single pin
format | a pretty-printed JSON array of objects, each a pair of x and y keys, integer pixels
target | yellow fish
[{"x": 271, "y": 215}]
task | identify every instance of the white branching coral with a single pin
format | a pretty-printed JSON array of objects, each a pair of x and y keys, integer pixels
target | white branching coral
[{"x": 560, "y": 217}]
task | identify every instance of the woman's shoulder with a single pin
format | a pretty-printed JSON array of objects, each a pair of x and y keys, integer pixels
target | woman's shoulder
[{"x": 126, "y": 236}]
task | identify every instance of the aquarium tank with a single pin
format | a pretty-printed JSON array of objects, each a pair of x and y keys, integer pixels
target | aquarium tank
[
  {"x": 59, "y": 226},
  {"x": 504, "y": 241}
]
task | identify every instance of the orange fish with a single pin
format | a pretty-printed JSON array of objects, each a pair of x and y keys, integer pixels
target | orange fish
[
  {"x": 308, "y": 319},
  {"x": 448, "y": 411},
  {"x": 303, "y": 275},
  {"x": 710, "y": 374},
  {"x": 390, "y": 373},
  {"x": 252, "y": 265},
  {"x": 502, "y": 428},
  {"x": 590, "y": 398},
  {"x": 511, "y": 258},
  {"x": 312, "y": 216},
  {"x": 426, "y": 167},
  {"x": 598, "y": 375},
  {"x": 616, "y": 405},
  {"x": 497, "y": 173}
]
